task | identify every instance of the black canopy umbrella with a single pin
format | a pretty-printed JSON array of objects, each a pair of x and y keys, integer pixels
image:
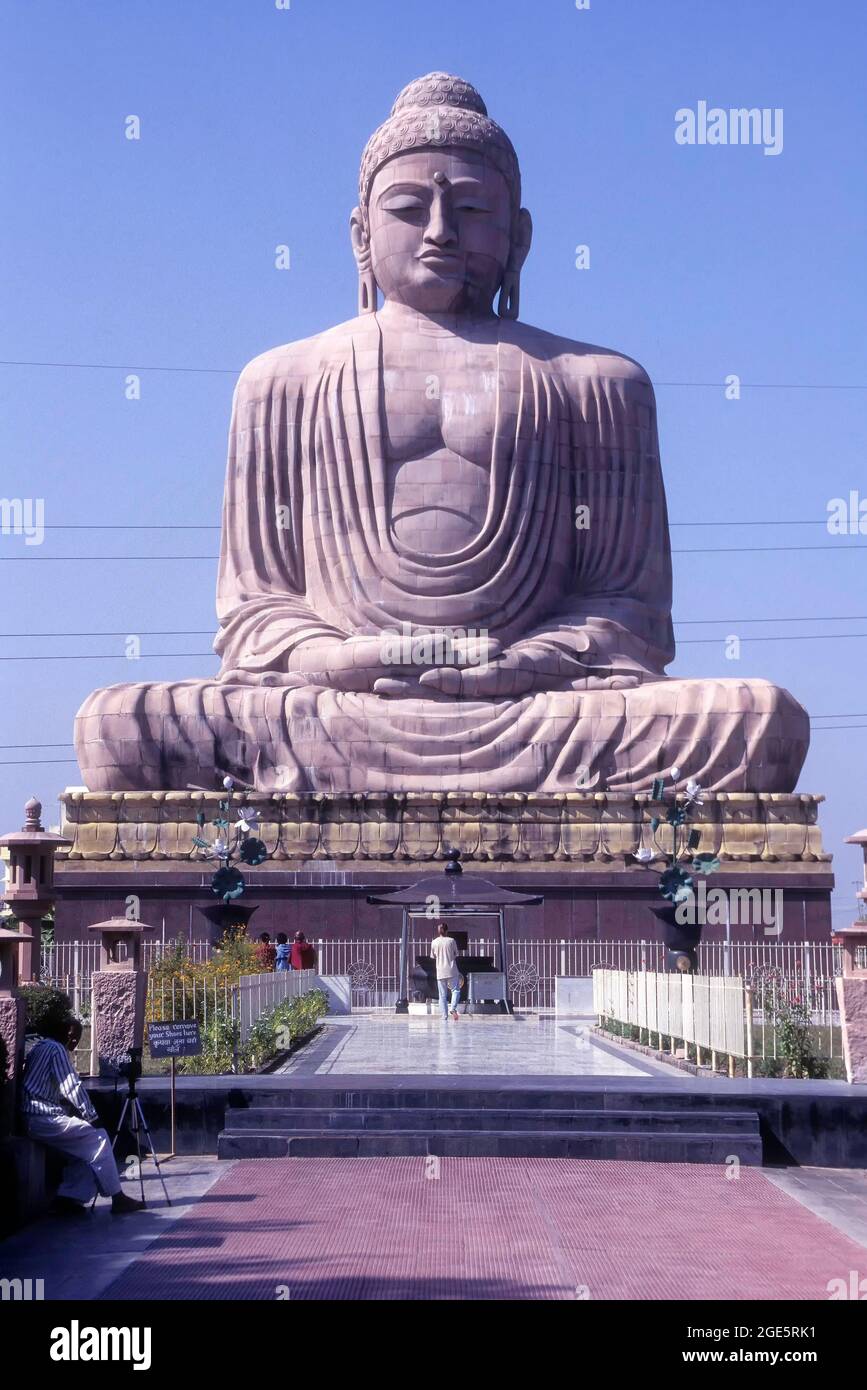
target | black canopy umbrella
[{"x": 452, "y": 894}]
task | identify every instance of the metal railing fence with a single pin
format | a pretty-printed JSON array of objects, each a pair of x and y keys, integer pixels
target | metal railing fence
[{"x": 534, "y": 965}]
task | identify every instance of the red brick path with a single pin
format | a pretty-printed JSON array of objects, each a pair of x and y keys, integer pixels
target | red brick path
[{"x": 502, "y": 1228}]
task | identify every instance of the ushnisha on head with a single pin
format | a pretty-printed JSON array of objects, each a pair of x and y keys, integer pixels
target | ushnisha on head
[{"x": 439, "y": 226}]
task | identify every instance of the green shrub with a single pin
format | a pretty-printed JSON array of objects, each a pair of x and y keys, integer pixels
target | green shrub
[
  {"x": 46, "y": 1008},
  {"x": 286, "y": 1023},
  {"x": 219, "y": 1048},
  {"x": 184, "y": 988},
  {"x": 793, "y": 1023},
  {"x": 621, "y": 1030}
]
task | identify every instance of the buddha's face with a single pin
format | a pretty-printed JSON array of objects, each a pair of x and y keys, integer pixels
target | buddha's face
[{"x": 440, "y": 230}]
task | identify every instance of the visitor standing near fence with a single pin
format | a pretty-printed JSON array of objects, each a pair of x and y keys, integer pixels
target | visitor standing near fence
[
  {"x": 444, "y": 950},
  {"x": 303, "y": 954}
]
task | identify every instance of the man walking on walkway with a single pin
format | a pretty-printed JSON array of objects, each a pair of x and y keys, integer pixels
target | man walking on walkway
[{"x": 444, "y": 950}]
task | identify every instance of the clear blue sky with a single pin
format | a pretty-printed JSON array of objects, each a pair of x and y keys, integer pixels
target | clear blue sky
[{"x": 705, "y": 261}]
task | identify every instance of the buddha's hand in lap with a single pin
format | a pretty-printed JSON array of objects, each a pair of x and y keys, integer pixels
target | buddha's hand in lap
[
  {"x": 362, "y": 664},
  {"x": 526, "y": 668}
]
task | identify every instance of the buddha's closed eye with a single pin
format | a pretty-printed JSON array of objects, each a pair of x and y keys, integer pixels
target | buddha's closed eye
[{"x": 403, "y": 203}]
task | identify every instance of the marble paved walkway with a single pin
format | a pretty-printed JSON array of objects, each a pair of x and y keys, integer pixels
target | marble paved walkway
[{"x": 404, "y": 1045}]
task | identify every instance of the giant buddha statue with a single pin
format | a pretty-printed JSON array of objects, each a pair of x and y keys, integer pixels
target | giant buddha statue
[{"x": 445, "y": 558}]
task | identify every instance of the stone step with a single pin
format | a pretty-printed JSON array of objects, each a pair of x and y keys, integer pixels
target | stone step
[
  {"x": 692, "y": 1147},
  {"x": 292, "y": 1119},
  {"x": 465, "y": 1097}
]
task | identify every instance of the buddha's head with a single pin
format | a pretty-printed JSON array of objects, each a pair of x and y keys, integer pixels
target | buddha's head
[{"x": 439, "y": 226}]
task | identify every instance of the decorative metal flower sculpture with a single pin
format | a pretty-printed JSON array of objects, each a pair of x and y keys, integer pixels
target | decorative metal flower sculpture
[
  {"x": 232, "y": 841},
  {"x": 676, "y": 880}
]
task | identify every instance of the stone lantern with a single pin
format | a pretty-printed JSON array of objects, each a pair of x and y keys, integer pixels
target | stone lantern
[
  {"x": 119, "y": 991},
  {"x": 12, "y": 1012},
  {"x": 120, "y": 943},
  {"x": 10, "y": 941},
  {"x": 852, "y": 986},
  {"x": 29, "y": 891}
]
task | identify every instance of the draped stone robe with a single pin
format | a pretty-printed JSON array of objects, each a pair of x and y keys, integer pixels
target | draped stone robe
[{"x": 309, "y": 552}]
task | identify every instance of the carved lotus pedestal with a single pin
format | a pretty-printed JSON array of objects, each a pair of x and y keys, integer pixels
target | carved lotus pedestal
[{"x": 327, "y": 853}]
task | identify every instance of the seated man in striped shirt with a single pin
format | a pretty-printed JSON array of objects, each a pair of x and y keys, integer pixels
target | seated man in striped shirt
[{"x": 57, "y": 1112}]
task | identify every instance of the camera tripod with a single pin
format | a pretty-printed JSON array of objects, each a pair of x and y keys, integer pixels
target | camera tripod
[{"x": 132, "y": 1111}]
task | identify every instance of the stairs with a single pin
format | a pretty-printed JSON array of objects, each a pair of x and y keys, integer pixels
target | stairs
[{"x": 372, "y": 1122}]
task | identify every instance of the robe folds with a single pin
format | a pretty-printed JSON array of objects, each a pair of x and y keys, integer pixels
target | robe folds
[{"x": 309, "y": 555}]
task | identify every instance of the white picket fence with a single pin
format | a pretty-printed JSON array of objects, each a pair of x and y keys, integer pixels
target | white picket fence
[
  {"x": 710, "y": 1011},
  {"x": 255, "y": 995},
  {"x": 720, "y": 1014}
]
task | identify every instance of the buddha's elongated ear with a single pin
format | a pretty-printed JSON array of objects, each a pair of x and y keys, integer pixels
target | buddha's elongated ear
[
  {"x": 522, "y": 238},
  {"x": 510, "y": 290},
  {"x": 367, "y": 300}
]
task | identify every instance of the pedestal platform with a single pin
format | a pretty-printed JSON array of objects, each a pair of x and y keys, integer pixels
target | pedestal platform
[{"x": 328, "y": 852}]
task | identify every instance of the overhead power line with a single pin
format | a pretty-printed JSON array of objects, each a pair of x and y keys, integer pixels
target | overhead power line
[
  {"x": 7, "y": 747},
  {"x": 159, "y": 558},
  {"x": 741, "y": 622},
  {"x": 128, "y": 367},
  {"x": 113, "y": 656},
  {"x": 834, "y": 728},
  {"x": 776, "y": 637},
  {"x": 154, "y": 526},
  {"x": 190, "y": 656},
  {"x": 695, "y": 550},
  {"x": 215, "y": 525},
  {"x": 37, "y": 762},
  {"x": 235, "y": 371},
  {"x": 133, "y": 631}
]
